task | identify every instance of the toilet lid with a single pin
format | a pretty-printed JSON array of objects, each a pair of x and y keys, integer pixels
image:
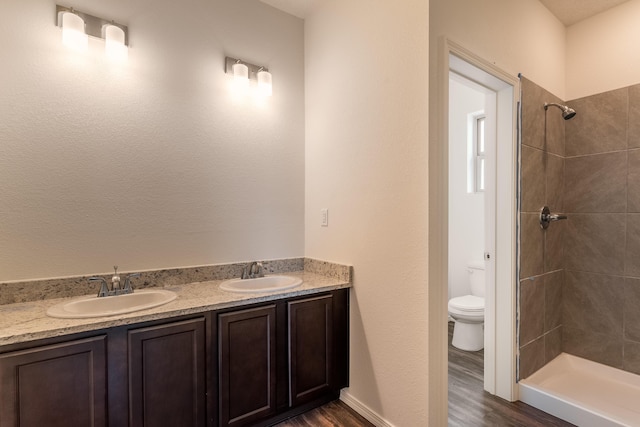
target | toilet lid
[{"x": 467, "y": 303}]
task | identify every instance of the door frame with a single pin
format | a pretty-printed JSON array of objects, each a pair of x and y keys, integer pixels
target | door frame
[{"x": 500, "y": 302}]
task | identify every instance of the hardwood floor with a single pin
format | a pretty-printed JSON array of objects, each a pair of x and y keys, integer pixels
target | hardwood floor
[
  {"x": 333, "y": 414},
  {"x": 470, "y": 405}
]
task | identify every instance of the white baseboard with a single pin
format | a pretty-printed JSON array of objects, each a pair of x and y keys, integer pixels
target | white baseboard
[{"x": 363, "y": 410}]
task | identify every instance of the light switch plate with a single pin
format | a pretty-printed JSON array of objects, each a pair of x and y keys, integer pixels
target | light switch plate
[{"x": 324, "y": 217}]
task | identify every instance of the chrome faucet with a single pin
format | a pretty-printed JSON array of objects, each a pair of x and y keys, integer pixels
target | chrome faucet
[
  {"x": 127, "y": 289},
  {"x": 115, "y": 284},
  {"x": 252, "y": 270},
  {"x": 104, "y": 289}
]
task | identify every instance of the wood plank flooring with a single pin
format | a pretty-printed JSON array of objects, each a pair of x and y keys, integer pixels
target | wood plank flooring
[
  {"x": 333, "y": 414},
  {"x": 469, "y": 404}
]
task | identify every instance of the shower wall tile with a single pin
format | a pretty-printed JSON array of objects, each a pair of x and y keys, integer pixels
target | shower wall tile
[
  {"x": 632, "y": 254},
  {"x": 593, "y": 346},
  {"x": 541, "y": 253},
  {"x": 591, "y": 309},
  {"x": 533, "y": 179},
  {"x": 555, "y": 129},
  {"x": 593, "y": 302},
  {"x": 600, "y": 124},
  {"x": 540, "y": 130},
  {"x": 531, "y": 246},
  {"x": 532, "y": 358},
  {"x": 531, "y": 316},
  {"x": 634, "y": 117},
  {"x": 595, "y": 243},
  {"x": 553, "y": 284},
  {"x": 632, "y": 309},
  {"x": 631, "y": 361},
  {"x": 552, "y": 344},
  {"x": 596, "y": 183},
  {"x": 533, "y": 125},
  {"x": 555, "y": 170},
  {"x": 554, "y": 246},
  {"x": 633, "y": 181}
]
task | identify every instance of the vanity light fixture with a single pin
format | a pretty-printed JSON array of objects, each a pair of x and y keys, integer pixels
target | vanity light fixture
[
  {"x": 73, "y": 33},
  {"x": 243, "y": 73},
  {"x": 114, "y": 45},
  {"x": 77, "y": 26},
  {"x": 265, "y": 87},
  {"x": 240, "y": 75}
]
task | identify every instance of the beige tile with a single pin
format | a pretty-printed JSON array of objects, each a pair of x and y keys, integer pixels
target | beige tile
[
  {"x": 531, "y": 358},
  {"x": 632, "y": 253},
  {"x": 554, "y": 246},
  {"x": 554, "y": 128},
  {"x": 631, "y": 309},
  {"x": 553, "y": 284},
  {"x": 533, "y": 179},
  {"x": 634, "y": 116},
  {"x": 552, "y": 344},
  {"x": 593, "y": 302},
  {"x": 600, "y": 124},
  {"x": 631, "y": 361},
  {"x": 532, "y": 114},
  {"x": 531, "y": 246},
  {"x": 531, "y": 309},
  {"x": 633, "y": 181},
  {"x": 596, "y": 183},
  {"x": 595, "y": 243},
  {"x": 599, "y": 348},
  {"x": 555, "y": 169}
]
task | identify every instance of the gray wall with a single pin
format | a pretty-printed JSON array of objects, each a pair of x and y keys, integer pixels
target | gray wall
[{"x": 580, "y": 280}]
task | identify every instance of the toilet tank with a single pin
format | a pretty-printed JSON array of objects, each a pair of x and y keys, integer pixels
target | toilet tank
[{"x": 476, "y": 278}]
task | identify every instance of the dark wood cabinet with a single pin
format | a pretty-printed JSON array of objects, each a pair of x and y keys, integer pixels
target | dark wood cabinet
[
  {"x": 56, "y": 385},
  {"x": 247, "y": 365},
  {"x": 167, "y": 378},
  {"x": 310, "y": 348},
  {"x": 281, "y": 359}
]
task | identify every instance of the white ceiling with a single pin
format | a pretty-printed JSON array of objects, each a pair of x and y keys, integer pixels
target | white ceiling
[
  {"x": 567, "y": 11},
  {"x": 297, "y": 8},
  {"x": 571, "y": 11}
]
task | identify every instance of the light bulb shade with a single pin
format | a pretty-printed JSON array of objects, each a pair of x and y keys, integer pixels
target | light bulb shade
[
  {"x": 241, "y": 75},
  {"x": 114, "y": 43},
  {"x": 264, "y": 83},
  {"x": 73, "y": 34}
]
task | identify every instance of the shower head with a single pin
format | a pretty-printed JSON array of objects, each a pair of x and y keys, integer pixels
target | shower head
[{"x": 567, "y": 112}]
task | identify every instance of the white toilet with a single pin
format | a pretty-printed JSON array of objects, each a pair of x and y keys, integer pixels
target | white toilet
[{"x": 468, "y": 313}]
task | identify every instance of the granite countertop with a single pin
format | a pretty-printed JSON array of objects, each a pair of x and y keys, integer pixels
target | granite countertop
[{"x": 22, "y": 322}]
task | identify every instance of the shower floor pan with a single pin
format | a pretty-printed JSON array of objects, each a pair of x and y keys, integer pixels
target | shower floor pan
[{"x": 584, "y": 393}]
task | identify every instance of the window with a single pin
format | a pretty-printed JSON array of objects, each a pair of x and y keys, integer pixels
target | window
[{"x": 478, "y": 153}]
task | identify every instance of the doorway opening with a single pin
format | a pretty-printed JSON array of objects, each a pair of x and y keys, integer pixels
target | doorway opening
[
  {"x": 499, "y": 257},
  {"x": 500, "y": 241}
]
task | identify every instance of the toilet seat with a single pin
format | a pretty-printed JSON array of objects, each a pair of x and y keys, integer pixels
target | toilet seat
[{"x": 469, "y": 304}]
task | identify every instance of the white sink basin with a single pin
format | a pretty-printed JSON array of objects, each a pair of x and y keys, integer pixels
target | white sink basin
[
  {"x": 261, "y": 284},
  {"x": 110, "y": 306}
]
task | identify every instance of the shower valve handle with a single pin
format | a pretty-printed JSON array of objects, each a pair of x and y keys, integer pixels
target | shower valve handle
[{"x": 546, "y": 217}]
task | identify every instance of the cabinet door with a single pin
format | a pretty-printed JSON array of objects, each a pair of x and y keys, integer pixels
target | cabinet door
[
  {"x": 247, "y": 365},
  {"x": 310, "y": 348},
  {"x": 167, "y": 375},
  {"x": 56, "y": 385}
]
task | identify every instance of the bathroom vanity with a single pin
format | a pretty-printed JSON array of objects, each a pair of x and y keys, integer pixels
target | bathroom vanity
[{"x": 209, "y": 358}]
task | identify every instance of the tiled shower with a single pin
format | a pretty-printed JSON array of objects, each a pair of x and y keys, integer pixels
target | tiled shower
[{"x": 579, "y": 287}]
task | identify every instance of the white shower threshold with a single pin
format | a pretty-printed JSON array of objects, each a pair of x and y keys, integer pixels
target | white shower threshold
[{"x": 584, "y": 393}]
